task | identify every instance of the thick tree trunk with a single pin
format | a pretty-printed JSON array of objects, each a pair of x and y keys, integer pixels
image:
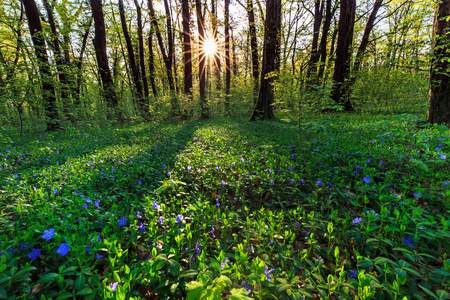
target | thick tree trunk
[
  {"x": 227, "y": 57},
  {"x": 61, "y": 64},
  {"x": 109, "y": 93},
  {"x": 131, "y": 59},
  {"x": 216, "y": 55},
  {"x": 315, "y": 54},
  {"x": 48, "y": 87},
  {"x": 202, "y": 60},
  {"x": 254, "y": 49},
  {"x": 439, "y": 100},
  {"x": 323, "y": 41},
  {"x": 144, "y": 102},
  {"x": 187, "y": 56},
  {"x": 263, "y": 109},
  {"x": 340, "y": 92}
]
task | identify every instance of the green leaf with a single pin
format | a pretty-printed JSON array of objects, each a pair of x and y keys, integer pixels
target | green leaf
[
  {"x": 48, "y": 277},
  {"x": 3, "y": 293},
  {"x": 239, "y": 294},
  {"x": 365, "y": 263},
  {"x": 80, "y": 282},
  {"x": 282, "y": 287},
  {"x": 195, "y": 289},
  {"x": 430, "y": 293},
  {"x": 85, "y": 291},
  {"x": 442, "y": 294},
  {"x": 63, "y": 296}
]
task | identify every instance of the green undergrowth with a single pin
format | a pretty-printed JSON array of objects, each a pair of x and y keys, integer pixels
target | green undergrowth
[{"x": 226, "y": 209}]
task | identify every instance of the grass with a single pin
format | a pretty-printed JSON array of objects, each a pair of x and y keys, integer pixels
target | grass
[{"x": 228, "y": 209}]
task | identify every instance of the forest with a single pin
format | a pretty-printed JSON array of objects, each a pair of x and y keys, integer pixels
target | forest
[{"x": 258, "y": 149}]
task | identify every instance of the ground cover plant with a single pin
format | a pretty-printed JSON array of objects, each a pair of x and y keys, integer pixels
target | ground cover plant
[{"x": 227, "y": 209}]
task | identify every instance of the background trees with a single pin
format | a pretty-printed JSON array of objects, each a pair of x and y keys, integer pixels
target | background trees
[{"x": 336, "y": 54}]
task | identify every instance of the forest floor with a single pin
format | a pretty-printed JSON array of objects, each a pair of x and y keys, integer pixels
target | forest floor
[{"x": 225, "y": 208}]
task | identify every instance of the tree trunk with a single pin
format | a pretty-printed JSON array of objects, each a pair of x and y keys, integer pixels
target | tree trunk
[
  {"x": 323, "y": 42},
  {"x": 340, "y": 92},
  {"x": 216, "y": 55},
  {"x": 48, "y": 86},
  {"x": 227, "y": 57},
  {"x": 61, "y": 64},
  {"x": 315, "y": 54},
  {"x": 131, "y": 59},
  {"x": 144, "y": 101},
  {"x": 202, "y": 59},
  {"x": 263, "y": 109},
  {"x": 254, "y": 49},
  {"x": 80, "y": 63},
  {"x": 187, "y": 56},
  {"x": 109, "y": 93},
  {"x": 439, "y": 100},
  {"x": 151, "y": 62},
  {"x": 365, "y": 39}
]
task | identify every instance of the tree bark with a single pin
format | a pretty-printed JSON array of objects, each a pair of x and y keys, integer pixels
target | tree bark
[
  {"x": 216, "y": 55},
  {"x": 271, "y": 62},
  {"x": 439, "y": 100},
  {"x": 61, "y": 64},
  {"x": 48, "y": 86},
  {"x": 340, "y": 93},
  {"x": 227, "y": 57},
  {"x": 151, "y": 62},
  {"x": 131, "y": 59},
  {"x": 323, "y": 41},
  {"x": 187, "y": 56},
  {"x": 79, "y": 64},
  {"x": 109, "y": 94},
  {"x": 254, "y": 49},
  {"x": 315, "y": 54},
  {"x": 202, "y": 60},
  {"x": 144, "y": 101}
]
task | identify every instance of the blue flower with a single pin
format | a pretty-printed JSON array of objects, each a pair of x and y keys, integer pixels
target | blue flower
[
  {"x": 142, "y": 227},
  {"x": 122, "y": 221},
  {"x": 442, "y": 156},
  {"x": 217, "y": 203},
  {"x": 113, "y": 286},
  {"x": 139, "y": 182},
  {"x": 49, "y": 234},
  {"x": 156, "y": 205},
  {"x": 247, "y": 287},
  {"x": 224, "y": 263},
  {"x": 302, "y": 181},
  {"x": 197, "y": 247},
  {"x": 218, "y": 168},
  {"x": 212, "y": 231},
  {"x": 366, "y": 179},
  {"x": 408, "y": 241},
  {"x": 381, "y": 163},
  {"x": 267, "y": 272},
  {"x": 163, "y": 166},
  {"x": 417, "y": 195},
  {"x": 99, "y": 256},
  {"x": 169, "y": 174},
  {"x": 352, "y": 273},
  {"x": 35, "y": 253},
  {"x": 446, "y": 183},
  {"x": 179, "y": 218},
  {"x": 319, "y": 182},
  {"x": 63, "y": 249},
  {"x": 372, "y": 212},
  {"x": 161, "y": 220},
  {"x": 292, "y": 182},
  {"x": 138, "y": 215},
  {"x": 242, "y": 159},
  {"x": 23, "y": 246},
  {"x": 357, "y": 220},
  {"x": 188, "y": 168}
]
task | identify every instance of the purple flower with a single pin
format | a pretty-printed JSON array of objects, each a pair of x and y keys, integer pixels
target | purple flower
[
  {"x": 197, "y": 247},
  {"x": 163, "y": 166},
  {"x": 222, "y": 183},
  {"x": 188, "y": 168},
  {"x": 138, "y": 215},
  {"x": 352, "y": 273},
  {"x": 417, "y": 195},
  {"x": 247, "y": 287},
  {"x": 408, "y": 241},
  {"x": 23, "y": 246},
  {"x": 371, "y": 212},
  {"x": 270, "y": 171},
  {"x": 97, "y": 203},
  {"x": 142, "y": 227},
  {"x": 139, "y": 182},
  {"x": 302, "y": 181},
  {"x": 292, "y": 182},
  {"x": 366, "y": 179},
  {"x": 218, "y": 168},
  {"x": 212, "y": 231},
  {"x": 49, "y": 234},
  {"x": 217, "y": 203},
  {"x": 35, "y": 253},
  {"x": 88, "y": 249},
  {"x": 320, "y": 259},
  {"x": 242, "y": 159},
  {"x": 156, "y": 205},
  {"x": 122, "y": 221},
  {"x": 267, "y": 272},
  {"x": 381, "y": 163},
  {"x": 446, "y": 183},
  {"x": 442, "y": 156},
  {"x": 99, "y": 256},
  {"x": 63, "y": 249},
  {"x": 161, "y": 220},
  {"x": 179, "y": 218},
  {"x": 319, "y": 182},
  {"x": 357, "y": 220},
  {"x": 113, "y": 286}
]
